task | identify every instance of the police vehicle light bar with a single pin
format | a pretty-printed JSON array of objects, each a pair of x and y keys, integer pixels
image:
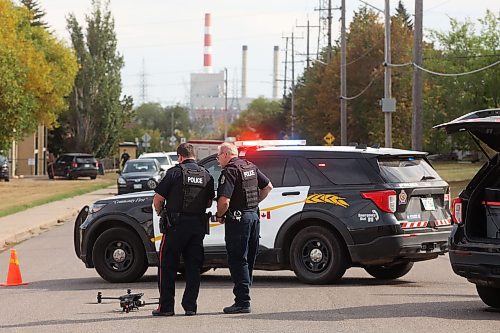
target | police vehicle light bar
[{"x": 269, "y": 143}]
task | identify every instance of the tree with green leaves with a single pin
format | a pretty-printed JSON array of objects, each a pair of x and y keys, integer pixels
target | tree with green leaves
[
  {"x": 161, "y": 123},
  {"x": 36, "y": 73},
  {"x": 403, "y": 16},
  {"x": 461, "y": 49},
  {"x": 37, "y": 13},
  {"x": 263, "y": 119},
  {"x": 97, "y": 111}
]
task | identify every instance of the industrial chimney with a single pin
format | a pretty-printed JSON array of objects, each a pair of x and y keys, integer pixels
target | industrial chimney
[
  {"x": 244, "y": 72},
  {"x": 207, "y": 56},
  {"x": 275, "y": 71}
]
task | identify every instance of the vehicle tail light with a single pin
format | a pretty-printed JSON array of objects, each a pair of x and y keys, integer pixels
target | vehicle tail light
[
  {"x": 384, "y": 200},
  {"x": 456, "y": 210},
  {"x": 74, "y": 165}
]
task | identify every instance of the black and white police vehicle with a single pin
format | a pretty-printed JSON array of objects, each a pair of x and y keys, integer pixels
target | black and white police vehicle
[
  {"x": 475, "y": 240},
  {"x": 331, "y": 208}
]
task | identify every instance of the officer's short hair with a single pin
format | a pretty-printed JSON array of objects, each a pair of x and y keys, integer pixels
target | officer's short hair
[
  {"x": 228, "y": 147},
  {"x": 186, "y": 150}
]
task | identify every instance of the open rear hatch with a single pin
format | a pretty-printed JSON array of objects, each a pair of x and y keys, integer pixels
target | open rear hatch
[{"x": 481, "y": 202}]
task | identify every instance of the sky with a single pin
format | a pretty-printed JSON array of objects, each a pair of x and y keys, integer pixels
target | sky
[{"x": 162, "y": 40}]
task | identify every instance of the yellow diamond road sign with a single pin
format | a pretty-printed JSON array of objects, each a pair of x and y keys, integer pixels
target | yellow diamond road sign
[{"x": 329, "y": 138}]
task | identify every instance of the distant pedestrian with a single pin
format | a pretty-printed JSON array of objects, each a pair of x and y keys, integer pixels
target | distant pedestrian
[{"x": 125, "y": 157}]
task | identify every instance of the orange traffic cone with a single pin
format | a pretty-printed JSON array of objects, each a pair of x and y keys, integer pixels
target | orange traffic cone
[{"x": 14, "y": 275}]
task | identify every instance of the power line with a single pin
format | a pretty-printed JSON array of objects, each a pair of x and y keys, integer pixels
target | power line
[
  {"x": 445, "y": 74},
  {"x": 362, "y": 91}
]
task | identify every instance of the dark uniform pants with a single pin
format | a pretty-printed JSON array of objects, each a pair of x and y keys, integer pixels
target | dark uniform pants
[
  {"x": 186, "y": 239},
  {"x": 242, "y": 243}
]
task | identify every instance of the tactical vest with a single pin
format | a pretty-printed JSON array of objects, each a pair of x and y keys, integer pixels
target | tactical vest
[
  {"x": 194, "y": 182},
  {"x": 249, "y": 185}
]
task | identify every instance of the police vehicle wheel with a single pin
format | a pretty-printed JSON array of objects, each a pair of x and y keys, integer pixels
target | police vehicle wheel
[
  {"x": 317, "y": 256},
  {"x": 119, "y": 256},
  {"x": 489, "y": 295},
  {"x": 389, "y": 272}
]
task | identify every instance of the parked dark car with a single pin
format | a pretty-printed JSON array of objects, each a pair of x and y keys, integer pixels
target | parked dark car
[
  {"x": 4, "y": 168},
  {"x": 139, "y": 175},
  {"x": 73, "y": 165},
  {"x": 475, "y": 238}
]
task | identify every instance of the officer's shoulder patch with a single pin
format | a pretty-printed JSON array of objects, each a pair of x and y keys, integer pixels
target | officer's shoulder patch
[{"x": 222, "y": 179}]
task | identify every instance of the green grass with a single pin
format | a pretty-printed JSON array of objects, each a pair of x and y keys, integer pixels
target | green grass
[
  {"x": 57, "y": 197},
  {"x": 456, "y": 172}
]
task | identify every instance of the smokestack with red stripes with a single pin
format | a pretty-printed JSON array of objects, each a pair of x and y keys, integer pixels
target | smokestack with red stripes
[{"x": 207, "y": 56}]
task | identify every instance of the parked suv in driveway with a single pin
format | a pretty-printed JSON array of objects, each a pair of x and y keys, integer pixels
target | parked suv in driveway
[
  {"x": 73, "y": 165},
  {"x": 475, "y": 239},
  {"x": 331, "y": 208},
  {"x": 4, "y": 168}
]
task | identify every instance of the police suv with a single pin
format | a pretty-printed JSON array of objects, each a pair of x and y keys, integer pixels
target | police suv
[{"x": 331, "y": 208}]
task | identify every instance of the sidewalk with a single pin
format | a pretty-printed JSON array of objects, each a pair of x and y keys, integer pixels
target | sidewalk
[{"x": 31, "y": 222}]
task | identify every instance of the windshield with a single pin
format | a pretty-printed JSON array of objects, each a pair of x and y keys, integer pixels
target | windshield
[
  {"x": 173, "y": 157},
  {"x": 406, "y": 169},
  {"x": 163, "y": 160},
  {"x": 3, "y": 159},
  {"x": 139, "y": 167}
]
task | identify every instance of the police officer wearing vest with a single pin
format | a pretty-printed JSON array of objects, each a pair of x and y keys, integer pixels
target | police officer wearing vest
[
  {"x": 186, "y": 191},
  {"x": 241, "y": 187}
]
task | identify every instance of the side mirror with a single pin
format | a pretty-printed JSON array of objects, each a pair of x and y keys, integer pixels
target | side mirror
[{"x": 161, "y": 169}]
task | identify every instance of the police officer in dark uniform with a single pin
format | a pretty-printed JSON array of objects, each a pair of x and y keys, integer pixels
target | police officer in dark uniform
[
  {"x": 186, "y": 191},
  {"x": 241, "y": 187}
]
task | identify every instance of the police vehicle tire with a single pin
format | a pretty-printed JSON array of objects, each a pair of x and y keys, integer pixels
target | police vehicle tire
[
  {"x": 389, "y": 272},
  {"x": 317, "y": 256},
  {"x": 119, "y": 256},
  {"x": 489, "y": 295}
]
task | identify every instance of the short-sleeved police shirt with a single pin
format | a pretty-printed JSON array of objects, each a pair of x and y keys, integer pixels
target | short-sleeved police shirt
[
  {"x": 171, "y": 187},
  {"x": 229, "y": 176}
]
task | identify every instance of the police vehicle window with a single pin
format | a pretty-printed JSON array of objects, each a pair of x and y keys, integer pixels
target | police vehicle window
[
  {"x": 315, "y": 177},
  {"x": 342, "y": 171},
  {"x": 273, "y": 168},
  {"x": 406, "y": 169},
  {"x": 291, "y": 178},
  {"x": 214, "y": 169}
]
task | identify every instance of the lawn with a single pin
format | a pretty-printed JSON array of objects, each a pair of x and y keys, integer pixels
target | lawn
[{"x": 20, "y": 194}]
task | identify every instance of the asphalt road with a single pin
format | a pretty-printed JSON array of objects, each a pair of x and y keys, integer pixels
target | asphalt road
[{"x": 62, "y": 293}]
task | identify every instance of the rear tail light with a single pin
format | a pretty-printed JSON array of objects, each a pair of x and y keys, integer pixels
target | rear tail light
[
  {"x": 456, "y": 210},
  {"x": 384, "y": 200},
  {"x": 74, "y": 164}
]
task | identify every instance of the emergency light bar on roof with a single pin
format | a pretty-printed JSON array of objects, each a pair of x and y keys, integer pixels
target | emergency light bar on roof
[{"x": 269, "y": 143}]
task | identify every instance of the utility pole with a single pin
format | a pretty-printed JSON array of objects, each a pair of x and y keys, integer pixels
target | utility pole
[
  {"x": 292, "y": 131},
  {"x": 416, "y": 122},
  {"x": 225, "y": 104},
  {"x": 143, "y": 83},
  {"x": 308, "y": 55},
  {"x": 286, "y": 67},
  {"x": 343, "y": 80},
  {"x": 388, "y": 103}
]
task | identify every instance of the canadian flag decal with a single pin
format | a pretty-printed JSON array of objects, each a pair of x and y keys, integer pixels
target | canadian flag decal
[{"x": 265, "y": 215}]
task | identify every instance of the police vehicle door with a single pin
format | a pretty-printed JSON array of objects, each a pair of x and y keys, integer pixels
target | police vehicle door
[{"x": 285, "y": 200}]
